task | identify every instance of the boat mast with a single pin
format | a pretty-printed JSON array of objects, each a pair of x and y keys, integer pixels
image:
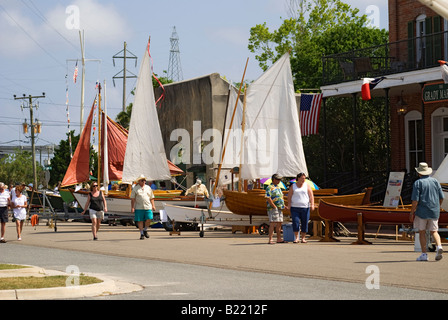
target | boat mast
[
  {"x": 99, "y": 134},
  {"x": 230, "y": 127}
]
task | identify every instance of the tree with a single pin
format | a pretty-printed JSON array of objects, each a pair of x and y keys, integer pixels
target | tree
[
  {"x": 18, "y": 168},
  {"x": 62, "y": 158},
  {"x": 314, "y": 29}
]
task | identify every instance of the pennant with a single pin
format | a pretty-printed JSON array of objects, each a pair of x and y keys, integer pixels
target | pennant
[
  {"x": 444, "y": 70},
  {"x": 75, "y": 74},
  {"x": 367, "y": 85},
  {"x": 309, "y": 113}
]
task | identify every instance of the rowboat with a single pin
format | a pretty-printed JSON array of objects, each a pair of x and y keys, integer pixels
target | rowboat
[
  {"x": 253, "y": 202},
  {"x": 370, "y": 214}
]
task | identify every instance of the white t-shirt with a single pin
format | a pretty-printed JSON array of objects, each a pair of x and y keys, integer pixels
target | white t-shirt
[
  {"x": 4, "y": 196},
  {"x": 20, "y": 213},
  {"x": 300, "y": 197},
  {"x": 142, "y": 197}
]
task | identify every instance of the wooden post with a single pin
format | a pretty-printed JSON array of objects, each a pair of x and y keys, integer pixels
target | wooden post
[
  {"x": 361, "y": 231},
  {"x": 174, "y": 231},
  {"x": 329, "y": 232}
]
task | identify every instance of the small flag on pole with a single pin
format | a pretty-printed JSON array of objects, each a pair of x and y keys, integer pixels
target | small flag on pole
[
  {"x": 309, "y": 113},
  {"x": 75, "y": 74},
  {"x": 444, "y": 69},
  {"x": 367, "y": 85}
]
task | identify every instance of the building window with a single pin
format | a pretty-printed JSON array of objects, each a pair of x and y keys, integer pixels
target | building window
[
  {"x": 414, "y": 142},
  {"x": 439, "y": 136}
]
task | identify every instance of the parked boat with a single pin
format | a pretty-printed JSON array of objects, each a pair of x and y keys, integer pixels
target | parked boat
[
  {"x": 370, "y": 214},
  {"x": 269, "y": 110},
  {"x": 253, "y": 202},
  {"x": 125, "y": 155}
]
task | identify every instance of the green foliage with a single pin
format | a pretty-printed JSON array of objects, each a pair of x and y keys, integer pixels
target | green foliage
[
  {"x": 18, "y": 168},
  {"x": 319, "y": 28},
  {"x": 61, "y": 159}
]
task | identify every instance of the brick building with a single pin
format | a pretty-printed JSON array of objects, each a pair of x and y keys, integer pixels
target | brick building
[{"x": 417, "y": 97}]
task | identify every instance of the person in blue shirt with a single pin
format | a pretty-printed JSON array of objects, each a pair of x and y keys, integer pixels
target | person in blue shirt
[{"x": 427, "y": 197}]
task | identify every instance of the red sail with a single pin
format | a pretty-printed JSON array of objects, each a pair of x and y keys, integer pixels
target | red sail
[{"x": 78, "y": 170}]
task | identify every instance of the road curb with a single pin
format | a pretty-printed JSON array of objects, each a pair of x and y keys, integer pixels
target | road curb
[{"x": 106, "y": 287}]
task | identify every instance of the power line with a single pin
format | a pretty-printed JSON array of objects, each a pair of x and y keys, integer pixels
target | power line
[{"x": 29, "y": 36}]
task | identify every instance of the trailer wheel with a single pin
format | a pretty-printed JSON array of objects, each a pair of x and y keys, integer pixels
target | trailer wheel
[{"x": 263, "y": 229}]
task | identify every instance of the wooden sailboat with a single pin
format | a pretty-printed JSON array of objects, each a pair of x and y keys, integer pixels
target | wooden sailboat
[
  {"x": 127, "y": 155},
  {"x": 272, "y": 140}
]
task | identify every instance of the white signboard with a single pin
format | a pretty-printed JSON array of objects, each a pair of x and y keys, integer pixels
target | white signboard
[{"x": 393, "y": 192}]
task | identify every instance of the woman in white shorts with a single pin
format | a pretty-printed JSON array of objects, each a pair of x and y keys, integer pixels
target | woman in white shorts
[{"x": 19, "y": 210}]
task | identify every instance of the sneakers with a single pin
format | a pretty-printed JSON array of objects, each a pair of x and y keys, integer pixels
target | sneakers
[
  {"x": 2, "y": 240},
  {"x": 423, "y": 257},
  {"x": 145, "y": 233},
  {"x": 439, "y": 254},
  {"x": 142, "y": 237}
]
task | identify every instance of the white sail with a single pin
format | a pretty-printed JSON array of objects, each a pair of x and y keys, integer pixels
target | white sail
[
  {"x": 273, "y": 142},
  {"x": 442, "y": 172},
  {"x": 145, "y": 153}
]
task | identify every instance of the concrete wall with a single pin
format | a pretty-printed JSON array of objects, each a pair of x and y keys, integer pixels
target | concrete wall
[{"x": 202, "y": 99}]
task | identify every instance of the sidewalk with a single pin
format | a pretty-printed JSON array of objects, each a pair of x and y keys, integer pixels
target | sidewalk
[{"x": 338, "y": 261}]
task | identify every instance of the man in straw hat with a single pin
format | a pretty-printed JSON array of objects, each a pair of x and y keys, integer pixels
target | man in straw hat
[
  {"x": 142, "y": 204},
  {"x": 427, "y": 197}
]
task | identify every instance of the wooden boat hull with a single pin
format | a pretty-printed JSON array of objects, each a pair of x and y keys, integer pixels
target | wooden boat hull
[
  {"x": 253, "y": 202},
  {"x": 370, "y": 214}
]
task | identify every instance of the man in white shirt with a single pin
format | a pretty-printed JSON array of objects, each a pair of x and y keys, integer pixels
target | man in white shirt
[
  {"x": 142, "y": 205},
  {"x": 4, "y": 204},
  {"x": 198, "y": 189}
]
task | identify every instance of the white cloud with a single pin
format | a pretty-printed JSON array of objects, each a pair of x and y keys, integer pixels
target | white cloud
[{"x": 22, "y": 29}]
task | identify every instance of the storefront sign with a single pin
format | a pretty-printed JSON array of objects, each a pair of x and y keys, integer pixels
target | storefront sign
[{"x": 435, "y": 92}]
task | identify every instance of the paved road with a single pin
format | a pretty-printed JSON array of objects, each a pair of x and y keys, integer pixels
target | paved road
[{"x": 227, "y": 266}]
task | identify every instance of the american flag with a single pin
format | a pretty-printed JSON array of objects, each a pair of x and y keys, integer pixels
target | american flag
[
  {"x": 75, "y": 74},
  {"x": 309, "y": 113}
]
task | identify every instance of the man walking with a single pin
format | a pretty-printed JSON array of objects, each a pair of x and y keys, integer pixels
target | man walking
[
  {"x": 142, "y": 204},
  {"x": 427, "y": 196}
]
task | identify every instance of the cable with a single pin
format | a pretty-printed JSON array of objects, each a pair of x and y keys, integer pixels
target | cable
[{"x": 37, "y": 43}]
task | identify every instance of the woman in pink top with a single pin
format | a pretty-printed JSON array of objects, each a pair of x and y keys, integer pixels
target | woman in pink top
[{"x": 300, "y": 199}]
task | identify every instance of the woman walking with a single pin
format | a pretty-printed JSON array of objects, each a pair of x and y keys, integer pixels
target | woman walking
[
  {"x": 96, "y": 204},
  {"x": 300, "y": 199},
  {"x": 19, "y": 209}
]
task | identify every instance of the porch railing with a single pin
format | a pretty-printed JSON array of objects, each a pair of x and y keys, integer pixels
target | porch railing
[{"x": 390, "y": 58}]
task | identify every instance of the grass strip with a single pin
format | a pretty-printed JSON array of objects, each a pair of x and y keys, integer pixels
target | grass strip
[{"x": 15, "y": 283}]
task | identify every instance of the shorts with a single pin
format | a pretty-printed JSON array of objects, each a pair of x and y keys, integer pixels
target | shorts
[
  {"x": 300, "y": 217},
  {"x": 275, "y": 215},
  {"x": 4, "y": 214},
  {"x": 96, "y": 214},
  {"x": 142, "y": 215},
  {"x": 425, "y": 224}
]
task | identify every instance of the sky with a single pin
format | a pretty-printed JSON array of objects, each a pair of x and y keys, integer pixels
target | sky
[{"x": 40, "y": 41}]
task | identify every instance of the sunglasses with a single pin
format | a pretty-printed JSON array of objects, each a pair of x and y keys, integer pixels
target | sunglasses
[{"x": 95, "y": 185}]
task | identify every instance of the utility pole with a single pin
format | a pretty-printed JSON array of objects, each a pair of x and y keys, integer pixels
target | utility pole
[
  {"x": 35, "y": 128},
  {"x": 123, "y": 55},
  {"x": 83, "y": 73}
]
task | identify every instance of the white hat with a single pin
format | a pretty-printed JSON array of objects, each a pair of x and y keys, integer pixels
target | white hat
[
  {"x": 423, "y": 169},
  {"x": 198, "y": 181},
  {"x": 142, "y": 176}
]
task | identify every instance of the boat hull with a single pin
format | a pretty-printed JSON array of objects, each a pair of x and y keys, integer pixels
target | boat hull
[
  {"x": 121, "y": 205},
  {"x": 370, "y": 214},
  {"x": 225, "y": 218},
  {"x": 253, "y": 202}
]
